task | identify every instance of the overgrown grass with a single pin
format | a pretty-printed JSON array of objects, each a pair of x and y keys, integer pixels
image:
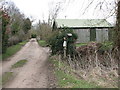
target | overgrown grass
[
  {"x": 80, "y": 44},
  {"x": 12, "y": 50},
  {"x": 107, "y": 45},
  {"x": 66, "y": 80},
  {"x": 19, "y": 63},
  {"x": 42, "y": 43},
  {"x": 6, "y": 77}
]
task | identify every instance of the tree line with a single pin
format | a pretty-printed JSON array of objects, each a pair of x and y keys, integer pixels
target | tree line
[{"x": 15, "y": 25}]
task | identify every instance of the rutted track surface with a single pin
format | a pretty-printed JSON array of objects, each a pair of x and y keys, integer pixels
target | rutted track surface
[{"x": 34, "y": 74}]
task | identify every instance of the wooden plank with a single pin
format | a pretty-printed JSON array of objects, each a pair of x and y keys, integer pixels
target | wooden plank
[
  {"x": 83, "y": 35},
  {"x": 101, "y": 35}
]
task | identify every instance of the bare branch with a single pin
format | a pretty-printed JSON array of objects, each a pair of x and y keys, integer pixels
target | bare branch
[{"x": 88, "y": 6}]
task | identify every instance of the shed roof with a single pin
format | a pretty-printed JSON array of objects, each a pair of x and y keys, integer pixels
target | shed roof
[{"x": 79, "y": 23}]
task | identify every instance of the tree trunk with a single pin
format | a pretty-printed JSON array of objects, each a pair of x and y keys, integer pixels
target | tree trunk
[{"x": 117, "y": 39}]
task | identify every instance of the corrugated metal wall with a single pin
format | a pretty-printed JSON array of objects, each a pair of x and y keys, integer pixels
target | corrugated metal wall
[{"x": 84, "y": 35}]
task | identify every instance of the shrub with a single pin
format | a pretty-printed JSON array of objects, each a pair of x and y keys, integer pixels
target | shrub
[
  {"x": 57, "y": 39},
  {"x": 13, "y": 40}
]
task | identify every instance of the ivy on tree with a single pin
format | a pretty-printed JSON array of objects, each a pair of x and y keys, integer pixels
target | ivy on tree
[{"x": 5, "y": 22}]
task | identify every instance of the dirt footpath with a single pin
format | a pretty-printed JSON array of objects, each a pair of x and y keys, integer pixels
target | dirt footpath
[{"x": 34, "y": 74}]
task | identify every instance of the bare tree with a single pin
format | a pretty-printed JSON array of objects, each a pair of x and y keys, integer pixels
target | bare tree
[
  {"x": 54, "y": 9},
  {"x": 43, "y": 30}
]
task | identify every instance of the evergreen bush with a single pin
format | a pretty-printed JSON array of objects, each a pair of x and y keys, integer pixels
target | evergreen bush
[{"x": 57, "y": 39}]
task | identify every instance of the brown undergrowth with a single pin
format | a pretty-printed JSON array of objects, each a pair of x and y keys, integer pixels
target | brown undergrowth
[{"x": 95, "y": 65}]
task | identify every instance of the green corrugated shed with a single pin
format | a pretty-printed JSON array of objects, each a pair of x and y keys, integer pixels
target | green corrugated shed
[{"x": 81, "y": 23}]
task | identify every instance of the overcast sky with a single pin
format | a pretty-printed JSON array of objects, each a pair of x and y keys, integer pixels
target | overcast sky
[{"x": 71, "y": 9}]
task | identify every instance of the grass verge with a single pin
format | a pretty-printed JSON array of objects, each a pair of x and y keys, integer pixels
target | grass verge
[
  {"x": 42, "y": 43},
  {"x": 19, "y": 63},
  {"x": 6, "y": 77},
  {"x": 12, "y": 50},
  {"x": 69, "y": 80}
]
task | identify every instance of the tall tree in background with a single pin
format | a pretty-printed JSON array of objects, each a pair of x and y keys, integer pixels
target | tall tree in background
[{"x": 27, "y": 25}]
